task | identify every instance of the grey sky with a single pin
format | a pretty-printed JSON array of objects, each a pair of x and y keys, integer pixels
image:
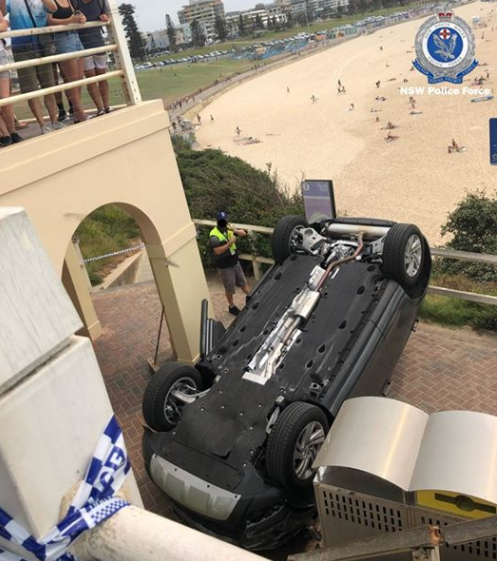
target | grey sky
[{"x": 152, "y": 14}]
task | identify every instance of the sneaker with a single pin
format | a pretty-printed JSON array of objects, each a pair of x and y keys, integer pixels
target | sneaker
[
  {"x": 16, "y": 137},
  {"x": 57, "y": 126},
  {"x": 101, "y": 112},
  {"x": 233, "y": 310},
  {"x": 107, "y": 109},
  {"x": 5, "y": 141},
  {"x": 46, "y": 129},
  {"x": 247, "y": 299},
  {"x": 62, "y": 115}
]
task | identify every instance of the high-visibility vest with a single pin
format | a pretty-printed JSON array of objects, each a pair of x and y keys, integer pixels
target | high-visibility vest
[{"x": 222, "y": 238}]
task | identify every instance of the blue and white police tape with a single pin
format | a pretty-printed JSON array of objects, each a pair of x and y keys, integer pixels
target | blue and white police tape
[{"x": 93, "y": 504}]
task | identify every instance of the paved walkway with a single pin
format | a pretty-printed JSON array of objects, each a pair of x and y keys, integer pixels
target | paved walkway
[{"x": 440, "y": 369}]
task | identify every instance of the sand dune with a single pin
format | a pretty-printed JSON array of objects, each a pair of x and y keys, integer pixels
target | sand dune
[{"x": 413, "y": 179}]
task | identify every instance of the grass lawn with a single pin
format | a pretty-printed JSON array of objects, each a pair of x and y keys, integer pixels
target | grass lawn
[{"x": 173, "y": 82}]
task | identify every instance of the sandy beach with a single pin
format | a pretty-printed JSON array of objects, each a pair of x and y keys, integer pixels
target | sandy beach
[{"x": 412, "y": 179}]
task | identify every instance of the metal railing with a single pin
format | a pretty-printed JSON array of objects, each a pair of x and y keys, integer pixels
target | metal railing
[
  {"x": 482, "y": 258},
  {"x": 118, "y": 46}
]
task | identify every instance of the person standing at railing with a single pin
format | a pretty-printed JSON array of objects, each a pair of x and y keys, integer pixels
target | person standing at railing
[
  {"x": 67, "y": 42},
  {"x": 25, "y": 15},
  {"x": 8, "y": 134},
  {"x": 222, "y": 240},
  {"x": 92, "y": 38}
]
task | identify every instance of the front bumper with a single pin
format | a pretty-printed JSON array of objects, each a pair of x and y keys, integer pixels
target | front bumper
[{"x": 256, "y": 517}]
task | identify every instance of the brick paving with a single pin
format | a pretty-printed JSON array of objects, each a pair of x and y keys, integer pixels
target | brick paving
[{"x": 440, "y": 369}]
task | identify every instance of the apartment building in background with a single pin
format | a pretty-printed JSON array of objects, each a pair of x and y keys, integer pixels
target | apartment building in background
[{"x": 205, "y": 12}]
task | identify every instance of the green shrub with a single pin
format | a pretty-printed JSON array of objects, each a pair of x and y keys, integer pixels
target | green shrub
[
  {"x": 105, "y": 230},
  {"x": 459, "y": 313},
  {"x": 214, "y": 181},
  {"x": 473, "y": 226}
]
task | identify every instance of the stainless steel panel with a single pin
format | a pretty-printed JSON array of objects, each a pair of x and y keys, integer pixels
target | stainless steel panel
[
  {"x": 459, "y": 454},
  {"x": 376, "y": 435}
]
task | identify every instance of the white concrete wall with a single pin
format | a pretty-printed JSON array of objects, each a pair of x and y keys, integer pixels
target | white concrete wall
[{"x": 53, "y": 402}]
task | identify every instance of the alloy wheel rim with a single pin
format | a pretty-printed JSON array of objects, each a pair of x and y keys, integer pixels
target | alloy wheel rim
[
  {"x": 413, "y": 255},
  {"x": 172, "y": 406},
  {"x": 308, "y": 445}
]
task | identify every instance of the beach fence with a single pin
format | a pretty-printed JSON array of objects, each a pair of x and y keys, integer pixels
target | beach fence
[{"x": 258, "y": 261}]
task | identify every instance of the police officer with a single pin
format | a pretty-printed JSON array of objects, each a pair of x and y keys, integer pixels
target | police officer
[{"x": 223, "y": 247}]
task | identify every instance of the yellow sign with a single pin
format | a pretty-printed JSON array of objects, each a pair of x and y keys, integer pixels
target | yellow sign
[{"x": 454, "y": 503}]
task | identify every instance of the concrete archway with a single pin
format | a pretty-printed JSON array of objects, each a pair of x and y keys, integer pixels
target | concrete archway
[{"x": 124, "y": 158}]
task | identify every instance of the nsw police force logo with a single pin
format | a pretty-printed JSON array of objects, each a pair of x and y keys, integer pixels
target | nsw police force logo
[{"x": 445, "y": 49}]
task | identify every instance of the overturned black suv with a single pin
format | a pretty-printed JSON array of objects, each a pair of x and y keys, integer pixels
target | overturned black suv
[{"x": 234, "y": 438}]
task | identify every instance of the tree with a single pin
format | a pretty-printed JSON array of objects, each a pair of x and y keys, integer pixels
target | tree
[
  {"x": 290, "y": 21},
  {"x": 133, "y": 35},
  {"x": 473, "y": 226},
  {"x": 339, "y": 11},
  {"x": 171, "y": 33},
  {"x": 221, "y": 28},
  {"x": 241, "y": 26},
  {"x": 258, "y": 24},
  {"x": 198, "y": 38}
]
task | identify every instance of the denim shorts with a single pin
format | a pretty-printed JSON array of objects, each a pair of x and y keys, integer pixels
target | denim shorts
[
  {"x": 4, "y": 60},
  {"x": 67, "y": 42}
]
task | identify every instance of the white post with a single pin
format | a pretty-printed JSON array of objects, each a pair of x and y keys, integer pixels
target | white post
[
  {"x": 134, "y": 533},
  {"x": 123, "y": 59}
]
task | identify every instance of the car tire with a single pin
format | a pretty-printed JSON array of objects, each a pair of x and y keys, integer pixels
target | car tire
[
  {"x": 282, "y": 235},
  {"x": 404, "y": 254},
  {"x": 161, "y": 411},
  {"x": 293, "y": 444}
]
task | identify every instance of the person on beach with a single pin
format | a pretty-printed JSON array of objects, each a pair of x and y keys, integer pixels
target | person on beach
[
  {"x": 212, "y": 118},
  {"x": 390, "y": 137},
  {"x": 378, "y": 83},
  {"x": 313, "y": 98},
  {"x": 454, "y": 147},
  {"x": 287, "y": 90},
  {"x": 238, "y": 131},
  {"x": 199, "y": 119}
]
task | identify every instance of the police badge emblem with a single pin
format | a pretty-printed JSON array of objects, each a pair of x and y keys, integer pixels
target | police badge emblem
[{"x": 445, "y": 49}]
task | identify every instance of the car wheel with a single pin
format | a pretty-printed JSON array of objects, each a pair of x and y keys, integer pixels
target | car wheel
[
  {"x": 281, "y": 241},
  {"x": 293, "y": 445},
  {"x": 161, "y": 409},
  {"x": 404, "y": 254}
]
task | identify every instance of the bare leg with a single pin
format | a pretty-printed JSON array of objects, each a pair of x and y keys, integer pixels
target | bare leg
[
  {"x": 51, "y": 106},
  {"x": 94, "y": 91},
  {"x": 3, "y": 128},
  {"x": 246, "y": 289},
  {"x": 103, "y": 87},
  {"x": 7, "y": 111},
  {"x": 37, "y": 110},
  {"x": 71, "y": 71}
]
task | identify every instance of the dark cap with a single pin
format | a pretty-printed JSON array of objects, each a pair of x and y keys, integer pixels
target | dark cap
[{"x": 222, "y": 216}]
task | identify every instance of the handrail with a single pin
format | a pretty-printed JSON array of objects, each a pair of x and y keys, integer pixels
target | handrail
[
  {"x": 435, "y": 251},
  {"x": 119, "y": 48},
  {"x": 61, "y": 87},
  {"x": 51, "y": 29},
  {"x": 56, "y": 58}
]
